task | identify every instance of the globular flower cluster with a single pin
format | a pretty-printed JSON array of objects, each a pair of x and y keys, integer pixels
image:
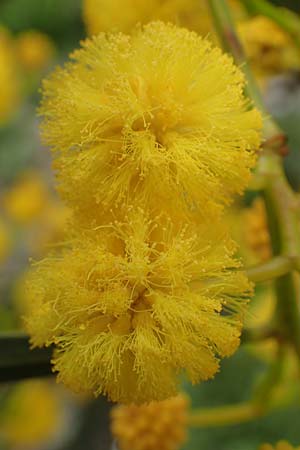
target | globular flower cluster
[
  {"x": 149, "y": 427},
  {"x": 135, "y": 305},
  {"x": 151, "y": 137},
  {"x": 269, "y": 48},
  {"x": 34, "y": 50},
  {"x": 31, "y": 415},
  {"x": 150, "y": 117}
]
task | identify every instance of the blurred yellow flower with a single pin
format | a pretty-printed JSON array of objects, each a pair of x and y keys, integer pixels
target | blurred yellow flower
[
  {"x": 123, "y": 15},
  {"x": 281, "y": 445},
  {"x": 131, "y": 305},
  {"x": 157, "y": 425},
  {"x": 27, "y": 198},
  {"x": 5, "y": 240},
  {"x": 34, "y": 50},
  {"x": 9, "y": 83},
  {"x": 158, "y": 117},
  {"x": 268, "y": 47},
  {"x": 255, "y": 230},
  {"x": 32, "y": 414}
]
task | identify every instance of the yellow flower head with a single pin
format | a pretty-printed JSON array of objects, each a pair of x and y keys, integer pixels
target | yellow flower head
[
  {"x": 9, "y": 84},
  {"x": 27, "y": 199},
  {"x": 158, "y": 425},
  {"x": 281, "y": 445},
  {"x": 5, "y": 240},
  {"x": 34, "y": 50},
  {"x": 31, "y": 415},
  {"x": 157, "y": 117},
  {"x": 132, "y": 305},
  {"x": 268, "y": 47},
  {"x": 123, "y": 15}
]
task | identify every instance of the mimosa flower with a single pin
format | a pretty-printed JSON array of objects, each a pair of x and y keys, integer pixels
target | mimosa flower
[
  {"x": 157, "y": 118},
  {"x": 27, "y": 199},
  {"x": 132, "y": 305},
  {"x": 31, "y": 415},
  {"x": 153, "y": 426},
  {"x": 34, "y": 50},
  {"x": 105, "y": 15},
  {"x": 268, "y": 47}
]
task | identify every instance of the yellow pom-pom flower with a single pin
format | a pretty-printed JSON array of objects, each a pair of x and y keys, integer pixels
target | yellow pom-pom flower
[
  {"x": 157, "y": 425},
  {"x": 132, "y": 305},
  {"x": 9, "y": 83},
  {"x": 281, "y": 445},
  {"x": 123, "y": 15},
  {"x": 34, "y": 50},
  {"x": 268, "y": 47},
  {"x": 158, "y": 117},
  {"x": 31, "y": 415}
]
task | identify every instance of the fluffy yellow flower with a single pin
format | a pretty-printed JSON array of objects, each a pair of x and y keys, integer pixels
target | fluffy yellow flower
[
  {"x": 158, "y": 425},
  {"x": 9, "y": 83},
  {"x": 268, "y": 47},
  {"x": 132, "y": 305},
  {"x": 158, "y": 117},
  {"x": 31, "y": 415},
  {"x": 105, "y": 15},
  {"x": 34, "y": 50},
  {"x": 281, "y": 445}
]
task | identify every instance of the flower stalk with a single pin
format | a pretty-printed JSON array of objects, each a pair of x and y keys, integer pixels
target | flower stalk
[
  {"x": 274, "y": 268},
  {"x": 225, "y": 415}
]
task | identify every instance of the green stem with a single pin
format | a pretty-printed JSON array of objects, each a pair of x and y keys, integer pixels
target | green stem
[
  {"x": 285, "y": 19},
  {"x": 280, "y": 199},
  {"x": 283, "y": 221},
  {"x": 276, "y": 267},
  {"x": 264, "y": 391},
  {"x": 225, "y": 415}
]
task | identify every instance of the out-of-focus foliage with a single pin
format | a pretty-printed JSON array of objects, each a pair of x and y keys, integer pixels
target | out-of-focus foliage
[{"x": 32, "y": 220}]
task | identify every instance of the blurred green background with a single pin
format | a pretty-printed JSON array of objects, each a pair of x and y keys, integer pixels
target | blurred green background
[{"x": 20, "y": 149}]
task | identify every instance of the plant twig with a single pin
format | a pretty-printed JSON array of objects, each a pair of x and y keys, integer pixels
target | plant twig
[
  {"x": 274, "y": 268},
  {"x": 280, "y": 200},
  {"x": 225, "y": 415}
]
